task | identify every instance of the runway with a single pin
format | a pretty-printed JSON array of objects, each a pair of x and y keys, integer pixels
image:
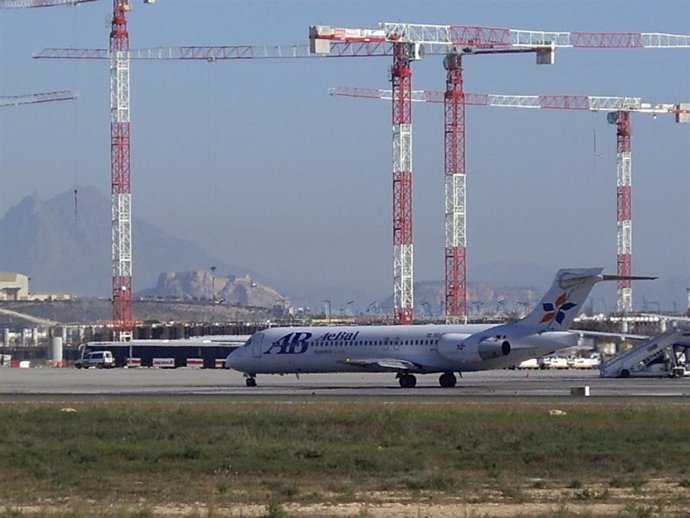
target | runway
[{"x": 61, "y": 384}]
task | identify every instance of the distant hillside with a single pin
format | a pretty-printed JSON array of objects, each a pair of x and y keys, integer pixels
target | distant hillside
[
  {"x": 67, "y": 250},
  {"x": 429, "y": 299},
  {"x": 202, "y": 285}
]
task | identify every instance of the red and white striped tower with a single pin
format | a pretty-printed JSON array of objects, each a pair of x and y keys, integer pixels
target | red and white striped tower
[
  {"x": 455, "y": 192},
  {"x": 120, "y": 172},
  {"x": 401, "y": 77},
  {"x": 624, "y": 207}
]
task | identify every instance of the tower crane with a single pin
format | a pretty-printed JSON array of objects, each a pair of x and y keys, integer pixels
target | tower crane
[
  {"x": 619, "y": 110},
  {"x": 18, "y": 4},
  {"x": 16, "y": 100},
  {"x": 458, "y": 40},
  {"x": 404, "y": 48},
  {"x": 120, "y": 157},
  {"x": 120, "y": 172}
]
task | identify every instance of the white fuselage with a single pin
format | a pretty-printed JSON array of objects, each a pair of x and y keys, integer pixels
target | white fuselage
[{"x": 413, "y": 349}]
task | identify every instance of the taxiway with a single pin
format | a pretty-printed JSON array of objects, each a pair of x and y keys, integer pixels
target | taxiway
[{"x": 45, "y": 383}]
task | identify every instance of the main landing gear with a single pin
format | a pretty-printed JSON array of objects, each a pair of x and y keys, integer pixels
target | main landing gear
[
  {"x": 447, "y": 380},
  {"x": 250, "y": 381},
  {"x": 407, "y": 380}
]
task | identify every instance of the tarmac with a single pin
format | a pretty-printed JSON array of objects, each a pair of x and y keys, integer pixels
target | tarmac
[{"x": 53, "y": 384}]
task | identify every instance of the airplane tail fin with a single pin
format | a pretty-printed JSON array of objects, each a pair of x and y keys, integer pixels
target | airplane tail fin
[
  {"x": 565, "y": 298},
  {"x": 563, "y": 301}
]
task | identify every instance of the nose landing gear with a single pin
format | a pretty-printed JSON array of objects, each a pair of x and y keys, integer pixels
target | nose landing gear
[{"x": 251, "y": 381}]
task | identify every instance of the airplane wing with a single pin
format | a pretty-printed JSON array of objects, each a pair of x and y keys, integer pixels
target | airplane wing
[
  {"x": 675, "y": 318},
  {"x": 684, "y": 341},
  {"x": 385, "y": 363},
  {"x": 621, "y": 336}
]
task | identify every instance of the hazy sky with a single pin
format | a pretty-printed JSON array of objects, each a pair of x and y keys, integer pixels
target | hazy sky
[{"x": 259, "y": 165}]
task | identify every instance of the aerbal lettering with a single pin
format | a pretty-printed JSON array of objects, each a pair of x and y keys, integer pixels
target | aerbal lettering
[{"x": 337, "y": 337}]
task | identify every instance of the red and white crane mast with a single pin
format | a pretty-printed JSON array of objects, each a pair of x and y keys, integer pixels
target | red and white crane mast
[
  {"x": 120, "y": 172},
  {"x": 455, "y": 188},
  {"x": 401, "y": 80},
  {"x": 623, "y": 207}
]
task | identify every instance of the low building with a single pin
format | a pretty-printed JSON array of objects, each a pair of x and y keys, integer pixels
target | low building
[
  {"x": 14, "y": 286},
  {"x": 49, "y": 297}
]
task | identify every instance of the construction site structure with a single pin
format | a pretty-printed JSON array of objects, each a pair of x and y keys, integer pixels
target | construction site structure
[
  {"x": 120, "y": 173},
  {"x": 619, "y": 110},
  {"x": 459, "y": 40},
  {"x": 410, "y": 40},
  {"x": 417, "y": 41},
  {"x": 659, "y": 356},
  {"x": 17, "y": 100}
]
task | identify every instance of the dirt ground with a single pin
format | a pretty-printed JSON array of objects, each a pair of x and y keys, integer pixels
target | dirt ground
[{"x": 656, "y": 498}]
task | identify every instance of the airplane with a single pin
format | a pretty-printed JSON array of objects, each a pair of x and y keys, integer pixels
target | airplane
[{"x": 423, "y": 349}]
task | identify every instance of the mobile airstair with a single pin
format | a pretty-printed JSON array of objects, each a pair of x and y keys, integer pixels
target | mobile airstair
[{"x": 652, "y": 357}]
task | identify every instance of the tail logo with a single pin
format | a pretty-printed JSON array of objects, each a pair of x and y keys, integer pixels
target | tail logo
[{"x": 556, "y": 311}]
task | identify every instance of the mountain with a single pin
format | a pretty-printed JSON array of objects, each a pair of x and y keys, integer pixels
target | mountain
[
  {"x": 63, "y": 245},
  {"x": 203, "y": 285}
]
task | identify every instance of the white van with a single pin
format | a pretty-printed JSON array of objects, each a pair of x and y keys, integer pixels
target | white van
[{"x": 98, "y": 359}]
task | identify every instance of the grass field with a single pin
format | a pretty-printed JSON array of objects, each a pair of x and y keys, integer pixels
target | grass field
[{"x": 247, "y": 459}]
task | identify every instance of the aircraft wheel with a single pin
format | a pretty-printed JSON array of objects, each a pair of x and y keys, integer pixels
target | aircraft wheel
[
  {"x": 625, "y": 373},
  {"x": 251, "y": 382},
  {"x": 447, "y": 380},
  {"x": 408, "y": 381}
]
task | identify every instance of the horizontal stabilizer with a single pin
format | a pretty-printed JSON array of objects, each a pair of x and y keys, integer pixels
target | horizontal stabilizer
[{"x": 606, "y": 277}]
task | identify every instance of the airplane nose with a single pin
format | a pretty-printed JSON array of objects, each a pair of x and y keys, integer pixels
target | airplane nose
[{"x": 232, "y": 360}]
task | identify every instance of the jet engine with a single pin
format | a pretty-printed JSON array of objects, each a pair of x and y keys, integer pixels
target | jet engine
[{"x": 471, "y": 348}]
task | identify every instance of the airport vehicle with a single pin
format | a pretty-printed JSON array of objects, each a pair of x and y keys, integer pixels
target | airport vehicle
[
  {"x": 98, "y": 359},
  {"x": 591, "y": 362},
  {"x": 531, "y": 363},
  {"x": 657, "y": 356},
  {"x": 422, "y": 349},
  {"x": 204, "y": 351},
  {"x": 557, "y": 362}
]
